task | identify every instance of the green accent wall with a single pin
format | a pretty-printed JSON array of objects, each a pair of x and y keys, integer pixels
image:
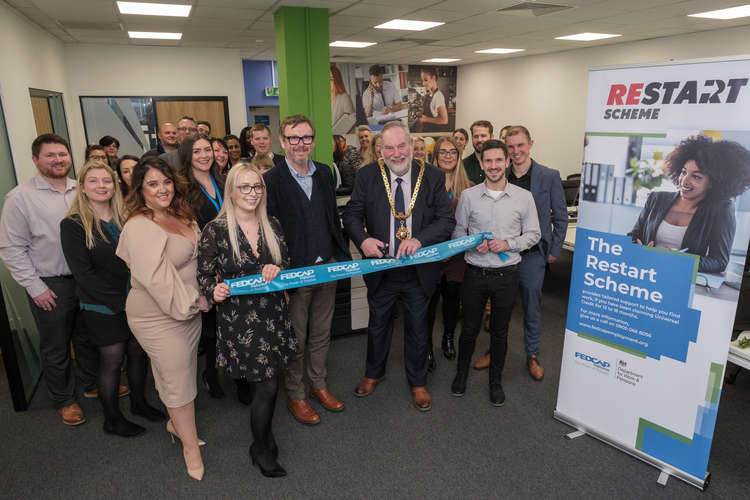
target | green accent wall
[{"x": 304, "y": 71}]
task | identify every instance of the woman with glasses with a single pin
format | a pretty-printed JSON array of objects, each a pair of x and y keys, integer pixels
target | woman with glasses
[
  {"x": 448, "y": 155},
  {"x": 205, "y": 195},
  {"x": 255, "y": 336},
  {"x": 111, "y": 147}
]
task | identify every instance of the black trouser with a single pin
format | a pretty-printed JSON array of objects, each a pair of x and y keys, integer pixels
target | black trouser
[
  {"x": 56, "y": 330},
  {"x": 451, "y": 293},
  {"x": 500, "y": 285},
  {"x": 404, "y": 283}
]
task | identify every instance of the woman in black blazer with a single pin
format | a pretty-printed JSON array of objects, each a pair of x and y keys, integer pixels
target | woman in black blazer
[
  {"x": 90, "y": 233},
  {"x": 699, "y": 218}
]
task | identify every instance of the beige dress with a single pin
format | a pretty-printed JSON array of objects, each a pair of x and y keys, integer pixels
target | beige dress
[{"x": 162, "y": 306}]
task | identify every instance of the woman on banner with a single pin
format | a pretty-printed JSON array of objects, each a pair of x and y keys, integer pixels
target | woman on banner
[
  {"x": 255, "y": 336},
  {"x": 452, "y": 269},
  {"x": 434, "y": 114},
  {"x": 343, "y": 114},
  {"x": 699, "y": 217},
  {"x": 205, "y": 196}
]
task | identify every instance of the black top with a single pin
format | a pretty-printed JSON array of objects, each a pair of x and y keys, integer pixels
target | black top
[
  {"x": 473, "y": 169},
  {"x": 709, "y": 234},
  {"x": 289, "y": 204},
  {"x": 101, "y": 276},
  {"x": 524, "y": 181},
  {"x": 207, "y": 211}
]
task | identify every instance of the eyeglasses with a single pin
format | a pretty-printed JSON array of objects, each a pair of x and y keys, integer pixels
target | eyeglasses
[
  {"x": 255, "y": 188},
  {"x": 98, "y": 157},
  {"x": 294, "y": 139},
  {"x": 447, "y": 152}
]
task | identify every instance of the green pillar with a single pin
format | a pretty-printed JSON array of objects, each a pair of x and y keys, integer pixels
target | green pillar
[{"x": 304, "y": 71}]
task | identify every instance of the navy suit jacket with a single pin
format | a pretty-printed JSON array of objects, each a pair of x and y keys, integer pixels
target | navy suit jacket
[
  {"x": 368, "y": 215},
  {"x": 549, "y": 197}
]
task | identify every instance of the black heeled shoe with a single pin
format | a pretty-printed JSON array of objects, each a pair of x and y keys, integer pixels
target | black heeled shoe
[
  {"x": 243, "y": 391},
  {"x": 449, "y": 348},
  {"x": 147, "y": 411},
  {"x": 122, "y": 427},
  {"x": 211, "y": 381},
  {"x": 267, "y": 465},
  {"x": 431, "y": 363}
]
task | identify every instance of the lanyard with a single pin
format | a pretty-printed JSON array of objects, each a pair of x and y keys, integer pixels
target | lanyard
[{"x": 218, "y": 195}]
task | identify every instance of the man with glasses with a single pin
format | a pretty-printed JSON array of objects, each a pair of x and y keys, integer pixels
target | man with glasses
[
  {"x": 396, "y": 208},
  {"x": 301, "y": 195},
  {"x": 187, "y": 128},
  {"x": 31, "y": 249}
]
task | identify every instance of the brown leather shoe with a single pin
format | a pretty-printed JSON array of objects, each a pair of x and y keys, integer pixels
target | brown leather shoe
[
  {"x": 328, "y": 400},
  {"x": 422, "y": 399},
  {"x": 483, "y": 363},
  {"x": 367, "y": 386},
  {"x": 535, "y": 368},
  {"x": 122, "y": 391},
  {"x": 72, "y": 414},
  {"x": 302, "y": 411}
]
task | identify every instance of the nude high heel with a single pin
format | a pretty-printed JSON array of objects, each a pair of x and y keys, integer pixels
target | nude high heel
[
  {"x": 195, "y": 472},
  {"x": 173, "y": 434}
]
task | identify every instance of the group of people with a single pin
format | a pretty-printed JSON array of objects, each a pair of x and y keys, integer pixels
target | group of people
[{"x": 130, "y": 263}]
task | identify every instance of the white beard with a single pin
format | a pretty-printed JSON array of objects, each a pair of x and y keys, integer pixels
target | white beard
[{"x": 398, "y": 172}]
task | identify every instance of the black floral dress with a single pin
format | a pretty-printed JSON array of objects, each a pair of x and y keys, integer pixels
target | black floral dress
[{"x": 254, "y": 335}]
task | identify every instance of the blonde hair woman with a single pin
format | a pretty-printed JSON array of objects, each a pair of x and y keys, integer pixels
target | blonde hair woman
[
  {"x": 89, "y": 234},
  {"x": 374, "y": 153},
  {"x": 448, "y": 159},
  {"x": 254, "y": 334}
]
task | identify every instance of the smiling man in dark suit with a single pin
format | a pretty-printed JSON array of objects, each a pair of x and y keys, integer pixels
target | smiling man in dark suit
[{"x": 416, "y": 192}]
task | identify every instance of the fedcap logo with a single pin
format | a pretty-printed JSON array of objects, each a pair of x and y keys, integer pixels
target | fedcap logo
[
  {"x": 347, "y": 268},
  {"x": 461, "y": 243},
  {"x": 293, "y": 275},
  {"x": 380, "y": 262},
  {"x": 599, "y": 363},
  {"x": 432, "y": 252},
  {"x": 251, "y": 282}
]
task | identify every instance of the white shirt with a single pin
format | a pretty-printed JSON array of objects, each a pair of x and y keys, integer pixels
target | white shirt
[
  {"x": 406, "y": 188},
  {"x": 438, "y": 99}
]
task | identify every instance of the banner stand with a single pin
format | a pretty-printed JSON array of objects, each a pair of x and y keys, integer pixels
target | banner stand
[{"x": 665, "y": 468}]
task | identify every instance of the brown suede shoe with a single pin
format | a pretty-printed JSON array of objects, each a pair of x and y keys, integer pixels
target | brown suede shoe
[
  {"x": 367, "y": 386},
  {"x": 122, "y": 391},
  {"x": 72, "y": 414},
  {"x": 328, "y": 400},
  {"x": 421, "y": 398},
  {"x": 302, "y": 411},
  {"x": 535, "y": 369},
  {"x": 483, "y": 363}
]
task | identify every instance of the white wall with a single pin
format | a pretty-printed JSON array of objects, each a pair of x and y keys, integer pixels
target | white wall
[
  {"x": 30, "y": 58},
  {"x": 547, "y": 93},
  {"x": 115, "y": 70}
]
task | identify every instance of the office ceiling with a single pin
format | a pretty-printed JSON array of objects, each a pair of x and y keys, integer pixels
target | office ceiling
[{"x": 470, "y": 25}]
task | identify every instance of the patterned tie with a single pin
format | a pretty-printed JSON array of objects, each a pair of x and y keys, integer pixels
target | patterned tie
[{"x": 399, "y": 203}]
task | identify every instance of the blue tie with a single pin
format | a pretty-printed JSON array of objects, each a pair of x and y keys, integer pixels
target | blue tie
[{"x": 399, "y": 203}]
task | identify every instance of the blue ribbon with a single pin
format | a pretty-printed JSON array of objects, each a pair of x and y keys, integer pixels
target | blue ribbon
[{"x": 322, "y": 273}]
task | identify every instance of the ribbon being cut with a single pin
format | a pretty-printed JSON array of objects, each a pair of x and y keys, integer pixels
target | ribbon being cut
[{"x": 322, "y": 273}]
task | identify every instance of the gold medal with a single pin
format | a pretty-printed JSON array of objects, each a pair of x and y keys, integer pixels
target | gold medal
[{"x": 402, "y": 233}]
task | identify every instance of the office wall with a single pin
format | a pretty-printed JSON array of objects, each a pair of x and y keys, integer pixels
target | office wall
[
  {"x": 30, "y": 58},
  {"x": 258, "y": 75},
  {"x": 115, "y": 70},
  {"x": 547, "y": 93}
]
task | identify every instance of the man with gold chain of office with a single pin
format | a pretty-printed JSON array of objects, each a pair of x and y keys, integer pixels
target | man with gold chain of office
[{"x": 398, "y": 206}]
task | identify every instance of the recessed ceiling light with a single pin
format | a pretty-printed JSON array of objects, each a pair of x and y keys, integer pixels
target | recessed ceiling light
[
  {"x": 353, "y": 45},
  {"x": 730, "y": 13},
  {"x": 498, "y": 51},
  {"x": 154, "y": 9},
  {"x": 404, "y": 24},
  {"x": 586, "y": 37},
  {"x": 440, "y": 60},
  {"x": 155, "y": 34}
]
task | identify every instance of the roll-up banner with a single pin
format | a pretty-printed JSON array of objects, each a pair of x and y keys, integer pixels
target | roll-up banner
[{"x": 660, "y": 246}]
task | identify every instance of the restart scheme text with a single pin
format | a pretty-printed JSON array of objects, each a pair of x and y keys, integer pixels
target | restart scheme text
[{"x": 621, "y": 268}]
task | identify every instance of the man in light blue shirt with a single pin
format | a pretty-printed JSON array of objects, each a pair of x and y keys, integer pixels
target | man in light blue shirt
[
  {"x": 380, "y": 96},
  {"x": 509, "y": 213}
]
